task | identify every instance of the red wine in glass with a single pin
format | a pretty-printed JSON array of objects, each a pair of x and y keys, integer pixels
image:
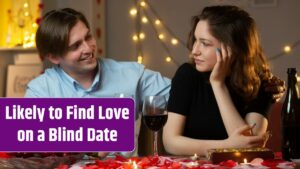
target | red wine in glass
[
  {"x": 155, "y": 115},
  {"x": 155, "y": 122}
]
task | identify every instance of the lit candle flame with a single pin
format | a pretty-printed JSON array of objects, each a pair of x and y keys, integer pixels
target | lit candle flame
[
  {"x": 134, "y": 165},
  {"x": 245, "y": 161},
  {"x": 195, "y": 157}
]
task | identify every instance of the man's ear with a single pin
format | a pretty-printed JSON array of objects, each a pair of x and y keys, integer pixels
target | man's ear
[{"x": 53, "y": 59}]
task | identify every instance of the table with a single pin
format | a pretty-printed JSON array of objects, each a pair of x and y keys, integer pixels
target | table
[
  {"x": 173, "y": 162},
  {"x": 119, "y": 162}
]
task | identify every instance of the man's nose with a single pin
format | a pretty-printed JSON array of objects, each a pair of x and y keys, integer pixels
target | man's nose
[{"x": 86, "y": 46}]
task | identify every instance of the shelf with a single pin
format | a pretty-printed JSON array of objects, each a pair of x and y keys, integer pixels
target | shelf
[{"x": 17, "y": 49}]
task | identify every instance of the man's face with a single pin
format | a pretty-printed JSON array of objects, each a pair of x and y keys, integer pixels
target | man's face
[{"x": 80, "y": 58}]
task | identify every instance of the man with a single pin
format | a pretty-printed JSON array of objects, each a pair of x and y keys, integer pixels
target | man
[{"x": 65, "y": 39}]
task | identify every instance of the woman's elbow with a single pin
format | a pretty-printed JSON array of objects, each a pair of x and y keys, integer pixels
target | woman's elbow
[{"x": 170, "y": 144}]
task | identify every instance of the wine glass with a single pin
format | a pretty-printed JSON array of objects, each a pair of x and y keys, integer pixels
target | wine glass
[{"x": 155, "y": 116}]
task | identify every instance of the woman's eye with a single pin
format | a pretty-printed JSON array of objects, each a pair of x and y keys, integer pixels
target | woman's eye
[{"x": 205, "y": 44}]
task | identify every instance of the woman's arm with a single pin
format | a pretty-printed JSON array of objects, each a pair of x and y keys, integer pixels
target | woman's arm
[
  {"x": 230, "y": 116},
  {"x": 261, "y": 123},
  {"x": 176, "y": 143}
]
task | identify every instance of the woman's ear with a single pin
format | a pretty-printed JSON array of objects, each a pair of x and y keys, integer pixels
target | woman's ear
[{"x": 53, "y": 59}]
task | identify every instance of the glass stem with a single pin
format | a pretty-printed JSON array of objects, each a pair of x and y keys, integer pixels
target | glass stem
[{"x": 155, "y": 152}]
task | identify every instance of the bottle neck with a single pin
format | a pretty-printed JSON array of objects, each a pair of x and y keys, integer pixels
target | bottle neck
[{"x": 292, "y": 89}]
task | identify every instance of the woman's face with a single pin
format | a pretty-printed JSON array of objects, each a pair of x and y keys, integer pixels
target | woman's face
[{"x": 204, "y": 48}]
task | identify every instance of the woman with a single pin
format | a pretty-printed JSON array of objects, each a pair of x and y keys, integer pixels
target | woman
[{"x": 219, "y": 99}]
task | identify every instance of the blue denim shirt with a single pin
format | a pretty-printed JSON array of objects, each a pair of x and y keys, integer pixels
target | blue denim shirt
[{"x": 112, "y": 78}]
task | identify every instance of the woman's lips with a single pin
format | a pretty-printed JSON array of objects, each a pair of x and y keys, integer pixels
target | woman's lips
[{"x": 198, "y": 61}]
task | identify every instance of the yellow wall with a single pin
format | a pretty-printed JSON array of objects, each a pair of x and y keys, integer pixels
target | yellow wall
[
  {"x": 17, "y": 8},
  {"x": 5, "y": 5}
]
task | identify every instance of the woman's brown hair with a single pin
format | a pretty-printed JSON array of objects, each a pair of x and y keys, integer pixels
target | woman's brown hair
[{"x": 236, "y": 29}]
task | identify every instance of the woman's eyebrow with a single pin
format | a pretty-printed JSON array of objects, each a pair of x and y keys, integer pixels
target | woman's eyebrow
[{"x": 206, "y": 40}]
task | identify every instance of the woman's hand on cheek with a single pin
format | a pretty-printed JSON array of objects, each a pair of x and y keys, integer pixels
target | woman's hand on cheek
[{"x": 223, "y": 64}]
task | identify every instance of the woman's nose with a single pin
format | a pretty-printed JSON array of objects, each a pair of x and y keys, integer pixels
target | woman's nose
[{"x": 196, "y": 49}]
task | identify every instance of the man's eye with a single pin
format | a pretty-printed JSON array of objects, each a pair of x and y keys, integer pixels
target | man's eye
[
  {"x": 88, "y": 37},
  {"x": 74, "y": 46}
]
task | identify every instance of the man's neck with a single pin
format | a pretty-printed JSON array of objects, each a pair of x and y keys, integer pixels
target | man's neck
[{"x": 84, "y": 79}]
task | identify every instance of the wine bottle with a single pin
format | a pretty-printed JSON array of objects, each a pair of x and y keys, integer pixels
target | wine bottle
[{"x": 290, "y": 116}]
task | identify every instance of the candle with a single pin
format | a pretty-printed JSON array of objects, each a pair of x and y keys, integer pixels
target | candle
[
  {"x": 192, "y": 164},
  {"x": 128, "y": 165},
  {"x": 245, "y": 163},
  {"x": 135, "y": 166},
  {"x": 195, "y": 157}
]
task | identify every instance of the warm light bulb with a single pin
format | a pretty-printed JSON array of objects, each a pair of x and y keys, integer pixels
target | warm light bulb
[
  {"x": 287, "y": 49},
  {"x": 142, "y": 36},
  {"x": 157, "y": 22},
  {"x": 135, "y": 38},
  {"x": 140, "y": 59},
  {"x": 174, "y": 41},
  {"x": 133, "y": 12},
  {"x": 32, "y": 37},
  {"x": 161, "y": 36},
  {"x": 168, "y": 59},
  {"x": 144, "y": 19},
  {"x": 237, "y": 154},
  {"x": 26, "y": 5},
  {"x": 26, "y": 38},
  {"x": 143, "y": 3},
  {"x": 34, "y": 25}
]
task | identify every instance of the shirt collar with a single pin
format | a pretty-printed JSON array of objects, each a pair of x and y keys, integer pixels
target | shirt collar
[{"x": 75, "y": 84}]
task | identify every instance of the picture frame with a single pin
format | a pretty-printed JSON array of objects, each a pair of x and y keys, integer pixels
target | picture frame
[{"x": 18, "y": 76}]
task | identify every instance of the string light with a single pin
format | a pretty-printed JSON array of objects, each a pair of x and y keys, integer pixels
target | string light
[
  {"x": 144, "y": 20},
  {"x": 26, "y": 5},
  {"x": 142, "y": 36},
  {"x": 143, "y": 3},
  {"x": 34, "y": 25},
  {"x": 287, "y": 49},
  {"x": 168, "y": 59},
  {"x": 157, "y": 22},
  {"x": 140, "y": 4},
  {"x": 133, "y": 12},
  {"x": 135, "y": 38},
  {"x": 140, "y": 59},
  {"x": 161, "y": 36},
  {"x": 174, "y": 41}
]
